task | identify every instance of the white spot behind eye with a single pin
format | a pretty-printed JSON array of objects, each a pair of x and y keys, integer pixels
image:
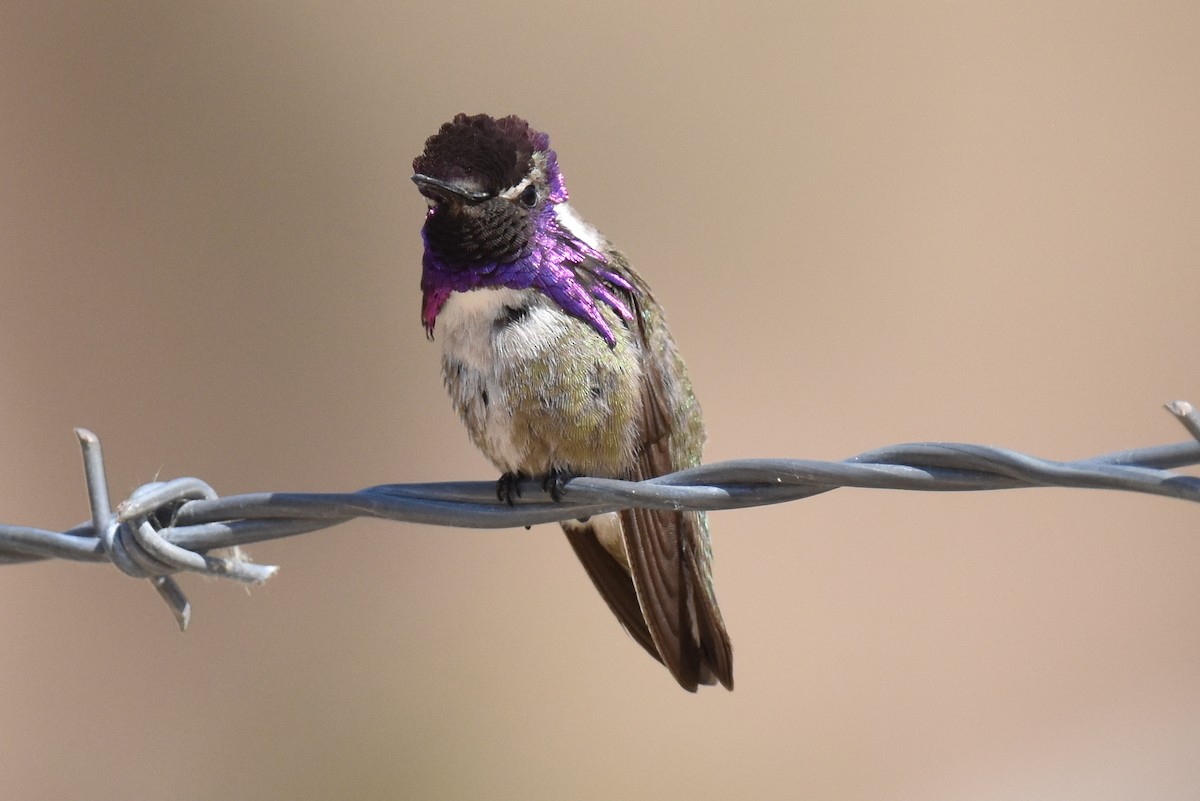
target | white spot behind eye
[{"x": 509, "y": 194}]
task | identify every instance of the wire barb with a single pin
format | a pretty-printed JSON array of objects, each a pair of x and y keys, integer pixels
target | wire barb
[
  {"x": 166, "y": 527},
  {"x": 1187, "y": 415}
]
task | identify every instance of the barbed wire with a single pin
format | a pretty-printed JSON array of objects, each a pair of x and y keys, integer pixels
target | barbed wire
[{"x": 166, "y": 527}]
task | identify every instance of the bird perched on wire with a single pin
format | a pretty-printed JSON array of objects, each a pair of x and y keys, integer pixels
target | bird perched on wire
[{"x": 558, "y": 359}]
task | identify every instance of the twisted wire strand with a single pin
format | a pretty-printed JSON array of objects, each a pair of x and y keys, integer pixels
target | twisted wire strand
[{"x": 167, "y": 527}]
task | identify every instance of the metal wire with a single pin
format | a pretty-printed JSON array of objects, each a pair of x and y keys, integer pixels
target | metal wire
[{"x": 172, "y": 526}]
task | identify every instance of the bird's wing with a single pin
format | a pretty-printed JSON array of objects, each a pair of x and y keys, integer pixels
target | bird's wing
[{"x": 669, "y": 558}]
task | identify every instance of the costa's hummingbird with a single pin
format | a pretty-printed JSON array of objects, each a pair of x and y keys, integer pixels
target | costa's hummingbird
[{"x": 558, "y": 360}]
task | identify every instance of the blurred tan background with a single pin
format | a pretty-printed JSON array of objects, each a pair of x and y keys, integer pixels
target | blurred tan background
[{"x": 868, "y": 226}]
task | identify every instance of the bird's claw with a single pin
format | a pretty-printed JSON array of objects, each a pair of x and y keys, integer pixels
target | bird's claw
[
  {"x": 508, "y": 488},
  {"x": 555, "y": 482}
]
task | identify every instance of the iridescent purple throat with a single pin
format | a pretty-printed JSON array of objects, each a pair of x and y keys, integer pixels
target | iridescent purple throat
[{"x": 563, "y": 268}]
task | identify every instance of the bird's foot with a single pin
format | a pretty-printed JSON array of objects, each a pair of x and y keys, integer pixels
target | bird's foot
[
  {"x": 555, "y": 481},
  {"x": 508, "y": 488}
]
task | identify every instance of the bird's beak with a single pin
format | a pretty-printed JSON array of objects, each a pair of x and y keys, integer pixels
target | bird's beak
[{"x": 437, "y": 189}]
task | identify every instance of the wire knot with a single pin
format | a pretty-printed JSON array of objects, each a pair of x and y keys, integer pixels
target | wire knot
[
  {"x": 137, "y": 538},
  {"x": 136, "y": 543}
]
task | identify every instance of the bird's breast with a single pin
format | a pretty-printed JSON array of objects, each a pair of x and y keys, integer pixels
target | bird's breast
[
  {"x": 536, "y": 388},
  {"x": 483, "y": 326}
]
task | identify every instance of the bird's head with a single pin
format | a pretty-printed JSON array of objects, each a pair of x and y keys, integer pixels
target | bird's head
[
  {"x": 489, "y": 183},
  {"x": 497, "y": 206}
]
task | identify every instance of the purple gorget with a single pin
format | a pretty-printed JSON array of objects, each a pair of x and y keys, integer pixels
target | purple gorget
[{"x": 558, "y": 264}]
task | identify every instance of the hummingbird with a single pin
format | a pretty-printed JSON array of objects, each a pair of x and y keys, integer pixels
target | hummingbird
[{"x": 558, "y": 360}]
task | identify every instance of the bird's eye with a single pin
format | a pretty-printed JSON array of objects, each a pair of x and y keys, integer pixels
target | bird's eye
[{"x": 529, "y": 196}]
